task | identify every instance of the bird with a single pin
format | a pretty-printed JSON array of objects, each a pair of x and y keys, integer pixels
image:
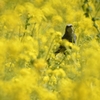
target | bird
[{"x": 69, "y": 36}]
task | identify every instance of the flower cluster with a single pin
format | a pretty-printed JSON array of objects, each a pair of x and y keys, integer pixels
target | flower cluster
[{"x": 31, "y": 32}]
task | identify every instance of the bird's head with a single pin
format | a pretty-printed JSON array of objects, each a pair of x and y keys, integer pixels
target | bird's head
[{"x": 69, "y": 28}]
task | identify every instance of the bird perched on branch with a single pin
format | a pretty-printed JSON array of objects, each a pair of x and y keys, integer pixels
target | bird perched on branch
[{"x": 69, "y": 35}]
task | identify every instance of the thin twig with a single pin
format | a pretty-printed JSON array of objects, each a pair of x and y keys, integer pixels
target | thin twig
[
  {"x": 62, "y": 60},
  {"x": 49, "y": 48}
]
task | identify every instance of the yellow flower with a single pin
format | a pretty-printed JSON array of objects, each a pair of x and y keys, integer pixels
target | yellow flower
[
  {"x": 86, "y": 25},
  {"x": 59, "y": 72},
  {"x": 38, "y": 2},
  {"x": 12, "y": 23},
  {"x": 29, "y": 7},
  {"x": 25, "y": 71},
  {"x": 58, "y": 34},
  {"x": 20, "y": 9},
  {"x": 48, "y": 10},
  {"x": 75, "y": 48},
  {"x": 53, "y": 80},
  {"x": 24, "y": 57},
  {"x": 2, "y": 5},
  {"x": 56, "y": 20},
  {"x": 40, "y": 64},
  {"x": 46, "y": 79},
  {"x": 49, "y": 71},
  {"x": 14, "y": 48},
  {"x": 66, "y": 89}
]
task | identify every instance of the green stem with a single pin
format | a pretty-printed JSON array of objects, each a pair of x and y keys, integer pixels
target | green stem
[
  {"x": 62, "y": 60},
  {"x": 49, "y": 48}
]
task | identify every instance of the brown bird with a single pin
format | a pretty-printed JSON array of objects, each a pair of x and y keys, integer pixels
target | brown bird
[{"x": 69, "y": 35}]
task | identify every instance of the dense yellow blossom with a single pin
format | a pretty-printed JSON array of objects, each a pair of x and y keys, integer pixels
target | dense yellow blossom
[
  {"x": 30, "y": 34},
  {"x": 40, "y": 64}
]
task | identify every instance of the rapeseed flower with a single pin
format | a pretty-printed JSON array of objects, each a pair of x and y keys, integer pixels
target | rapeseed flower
[
  {"x": 48, "y": 10},
  {"x": 65, "y": 89},
  {"x": 30, "y": 33},
  {"x": 46, "y": 79},
  {"x": 40, "y": 64},
  {"x": 20, "y": 9},
  {"x": 56, "y": 20}
]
